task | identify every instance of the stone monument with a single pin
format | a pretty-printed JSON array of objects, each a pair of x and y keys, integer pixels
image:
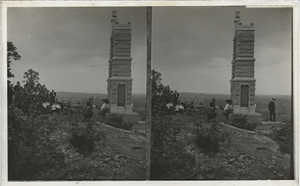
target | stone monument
[
  {"x": 242, "y": 78},
  {"x": 119, "y": 80}
]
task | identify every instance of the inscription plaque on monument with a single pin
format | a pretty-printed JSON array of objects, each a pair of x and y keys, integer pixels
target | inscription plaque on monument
[
  {"x": 121, "y": 95},
  {"x": 244, "y": 95}
]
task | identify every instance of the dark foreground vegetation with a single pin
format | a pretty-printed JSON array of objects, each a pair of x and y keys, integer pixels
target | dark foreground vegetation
[
  {"x": 185, "y": 146},
  {"x": 49, "y": 144},
  {"x": 46, "y": 145}
]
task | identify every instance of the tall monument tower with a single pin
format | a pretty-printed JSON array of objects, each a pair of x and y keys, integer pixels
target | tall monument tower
[
  {"x": 119, "y": 80},
  {"x": 242, "y": 78}
]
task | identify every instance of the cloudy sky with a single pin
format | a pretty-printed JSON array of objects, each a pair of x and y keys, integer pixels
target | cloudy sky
[
  {"x": 69, "y": 47},
  {"x": 192, "y": 48}
]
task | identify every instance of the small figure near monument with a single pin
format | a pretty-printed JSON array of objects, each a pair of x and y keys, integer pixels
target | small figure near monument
[
  {"x": 89, "y": 104},
  {"x": 52, "y": 96},
  {"x": 104, "y": 108},
  {"x": 175, "y": 97},
  {"x": 228, "y": 108},
  {"x": 271, "y": 108},
  {"x": 212, "y": 104}
]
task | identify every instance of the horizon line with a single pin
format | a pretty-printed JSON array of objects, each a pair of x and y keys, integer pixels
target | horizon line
[
  {"x": 89, "y": 92},
  {"x": 178, "y": 92}
]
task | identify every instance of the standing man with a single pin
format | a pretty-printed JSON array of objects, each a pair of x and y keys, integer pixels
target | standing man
[
  {"x": 104, "y": 108},
  {"x": 52, "y": 96},
  {"x": 212, "y": 103},
  {"x": 271, "y": 107},
  {"x": 175, "y": 97},
  {"x": 89, "y": 104}
]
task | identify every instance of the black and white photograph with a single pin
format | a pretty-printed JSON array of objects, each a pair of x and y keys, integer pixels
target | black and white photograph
[
  {"x": 150, "y": 93},
  {"x": 76, "y": 82},
  {"x": 222, "y": 93}
]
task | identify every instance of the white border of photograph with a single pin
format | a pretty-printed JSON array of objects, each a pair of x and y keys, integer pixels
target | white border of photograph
[{"x": 250, "y": 4}]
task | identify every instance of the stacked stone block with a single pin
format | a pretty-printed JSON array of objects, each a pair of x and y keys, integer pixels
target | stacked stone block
[
  {"x": 120, "y": 67},
  {"x": 242, "y": 80}
]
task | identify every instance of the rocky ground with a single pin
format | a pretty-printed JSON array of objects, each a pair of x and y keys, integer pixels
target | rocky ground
[
  {"x": 244, "y": 155},
  {"x": 123, "y": 155}
]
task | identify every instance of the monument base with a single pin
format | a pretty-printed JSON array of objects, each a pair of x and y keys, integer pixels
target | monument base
[
  {"x": 132, "y": 117},
  {"x": 254, "y": 118}
]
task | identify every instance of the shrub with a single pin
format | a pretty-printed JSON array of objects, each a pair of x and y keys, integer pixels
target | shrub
[
  {"x": 169, "y": 159},
  {"x": 32, "y": 145},
  {"x": 282, "y": 134},
  {"x": 239, "y": 121},
  {"x": 116, "y": 120},
  {"x": 84, "y": 138},
  {"x": 208, "y": 139}
]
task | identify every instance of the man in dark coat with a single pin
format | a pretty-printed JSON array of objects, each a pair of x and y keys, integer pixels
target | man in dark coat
[
  {"x": 212, "y": 104},
  {"x": 52, "y": 96},
  {"x": 271, "y": 107},
  {"x": 89, "y": 104}
]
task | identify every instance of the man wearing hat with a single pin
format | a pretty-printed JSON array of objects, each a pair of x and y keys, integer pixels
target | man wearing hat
[
  {"x": 212, "y": 103},
  {"x": 89, "y": 104},
  {"x": 271, "y": 107},
  {"x": 104, "y": 108}
]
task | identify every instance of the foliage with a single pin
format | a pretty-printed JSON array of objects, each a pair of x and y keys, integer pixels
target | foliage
[
  {"x": 239, "y": 121},
  {"x": 208, "y": 139},
  {"x": 30, "y": 98},
  {"x": 116, "y": 120},
  {"x": 12, "y": 54},
  {"x": 169, "y": 159},
  {"x": 83, "y": 138},
  {"x": 282, "y": 134},
  {"x": 31, "y": 78},
  {"x": 161, "y": 95},
  {"x": 32, "y": 146},
  {"x": 39, "y": 151}
]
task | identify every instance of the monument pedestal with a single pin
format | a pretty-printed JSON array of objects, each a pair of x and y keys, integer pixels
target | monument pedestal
[
  {"x": 131, "y": 117},
  {"x": 254, "y": 118}
]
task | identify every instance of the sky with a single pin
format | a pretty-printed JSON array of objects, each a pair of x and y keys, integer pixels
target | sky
[
  {"x": 193, "y": 48},
  {"x": 69, "y": 47}
]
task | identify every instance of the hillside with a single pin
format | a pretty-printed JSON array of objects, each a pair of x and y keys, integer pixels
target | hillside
[
  {"x": 64, "y": 147},
  {"x": 220, "y": 151}
]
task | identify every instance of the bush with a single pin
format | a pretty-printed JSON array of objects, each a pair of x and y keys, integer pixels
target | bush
[
  {"x": 208, "y": 139},
  {"x": 239, "y": 121},
  {"x": 84, "y": 138},
  {"x": 282, "y": 134},
  {"x": 116, "y": 120},
  {"x": 32, "y": 145},
  {"x": 169, "y": 158}
]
